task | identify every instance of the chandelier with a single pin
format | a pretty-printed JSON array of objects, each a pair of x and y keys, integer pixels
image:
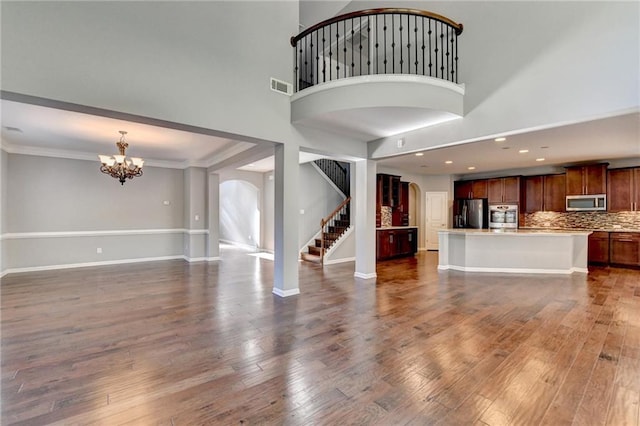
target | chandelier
[{"x": 119, "y": 166}]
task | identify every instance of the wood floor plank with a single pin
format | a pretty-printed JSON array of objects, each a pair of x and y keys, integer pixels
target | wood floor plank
[{"x": 173, "y": 343}]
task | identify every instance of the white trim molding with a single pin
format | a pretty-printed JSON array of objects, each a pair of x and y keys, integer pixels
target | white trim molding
[
  {"x": 335, "y": 261},
  {"x": 512, "y": 270},
  {"x": 108, "y": 233},
  {"x": 365, "y": 276},
  {"x": 286, "y": 293}
]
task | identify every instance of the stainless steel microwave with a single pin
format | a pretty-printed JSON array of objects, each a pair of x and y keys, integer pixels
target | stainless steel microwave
[{"x": 585, "y": 203}]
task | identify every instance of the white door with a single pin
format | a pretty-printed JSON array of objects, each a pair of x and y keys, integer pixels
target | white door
[{"x": 436, "y": 214}]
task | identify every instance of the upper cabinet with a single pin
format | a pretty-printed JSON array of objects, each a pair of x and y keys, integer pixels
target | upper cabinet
[
  {"x": 504, "y": 190},
  {"x": 470, "y": 189},
  {"x": 393, "y": 193},
  {"x": 544, "y": 193},
  {"x": 586, "y": 180},
  {"x": 623, "y": 190}
]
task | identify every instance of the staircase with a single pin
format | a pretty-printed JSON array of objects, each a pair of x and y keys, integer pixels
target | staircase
[
  {"x": 335, "y": 224},
  {"x": 332, "y": 227}
]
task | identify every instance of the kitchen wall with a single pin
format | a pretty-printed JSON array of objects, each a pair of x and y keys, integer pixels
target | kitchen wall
[{"x": 583, "y": 220}]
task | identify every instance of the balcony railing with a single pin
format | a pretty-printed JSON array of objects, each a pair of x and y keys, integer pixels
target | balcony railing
[{"x": 377, "y": 41}]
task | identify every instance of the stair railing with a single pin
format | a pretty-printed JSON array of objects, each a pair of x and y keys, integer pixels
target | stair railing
[
  {"x": 377, "y": 41},
  {"x": 330, "y": 220},
  {"x": 336, "y": 172}
]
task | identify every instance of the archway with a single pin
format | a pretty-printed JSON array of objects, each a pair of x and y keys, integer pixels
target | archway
[{"x": 240, "y": 213}]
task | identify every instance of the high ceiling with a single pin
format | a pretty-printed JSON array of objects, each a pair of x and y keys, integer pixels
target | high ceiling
[{"x": 40, "y": 130}]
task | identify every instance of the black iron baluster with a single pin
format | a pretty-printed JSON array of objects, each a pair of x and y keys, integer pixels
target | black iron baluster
[
  {"x": 377, "y": 44},
  {"x": 393, "y": 44},
  {"x": 311, "y": 55},
  {"x": 415, "y": 39},
  {"x": 442, "y": 42},
  {"x": 384, "y": 29},
  {"x": 368, "y": 46},
  {"x": 306, "y": 61},
  {"x": 317, "y": 55},
  {"x": 423, "y": 61},
  {"x": 453, "y": 71},
  {"x": 324, "y": 59},
  {"x": 353, "y": 65},
  {"x": 344, "y": 41},
  {"x": 408, "y": 46},
  {"x": 430, "y": 49},
  {"x": 457, "y": 58},
  {"x": 360, "y": 31},
  {"x": 400, "y": 29},
  {"x": 338, "y": 50},
  {"x": 295, "y": 68},
  {"x": 330, "y": 56},
  {"x": 436, "y": 50}
]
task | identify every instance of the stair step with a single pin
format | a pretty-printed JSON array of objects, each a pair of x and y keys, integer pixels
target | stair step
[
  {"x": 314, "y": 250},
  {"x": 310, "y": 258}
]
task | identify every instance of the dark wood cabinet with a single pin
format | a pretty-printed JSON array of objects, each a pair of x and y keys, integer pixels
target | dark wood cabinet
[
  {"x": 470, "y": 188},
  {"x": 391, "y": 192},
  {"x": 599, "y": 247},
  {"x": 623, "y": 190},
  {"x": 624, "y": 248},
  {"x": 396, "y": 243},
  {"x": 586, "y": 180},
  {"x": 504, "y": 190},
  {"x": 544, "y": 193}
]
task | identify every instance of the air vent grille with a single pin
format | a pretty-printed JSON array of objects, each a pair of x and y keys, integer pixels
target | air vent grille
[{"x": 281, "y": 86}]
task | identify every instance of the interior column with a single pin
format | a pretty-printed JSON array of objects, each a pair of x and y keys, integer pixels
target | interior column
[
  {"x": 213, "y": 217},
  {"x": 365, "y": 209},
  {"x": 195, "y": 191},
  {"x": 286, "y": 176}
]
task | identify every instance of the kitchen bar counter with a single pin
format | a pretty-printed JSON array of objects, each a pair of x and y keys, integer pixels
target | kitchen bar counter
[{"x": 517, "y": 251}]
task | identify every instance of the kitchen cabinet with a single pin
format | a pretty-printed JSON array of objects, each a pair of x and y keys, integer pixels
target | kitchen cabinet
[
  {"x": 388, "y": 189},
  {"x": 544, "y": 193},
  {"x": 504, "y": 190},
  {"x": 470, "y": 189},
  {"x": 391, "y": 192},
  {"x": 599, "y": 247},
  {"x": 624, "y": 248},
  {"x": 623, "y": 189},
  {"x": 586, "y": 180},
  {"x": 398, "y": 242}
]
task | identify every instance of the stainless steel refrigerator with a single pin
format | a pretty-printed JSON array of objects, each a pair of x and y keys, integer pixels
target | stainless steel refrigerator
[{"x": 471, "y": 213}]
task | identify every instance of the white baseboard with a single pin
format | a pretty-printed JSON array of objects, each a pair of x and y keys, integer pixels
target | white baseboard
[
  {"x": 512, "y": 270},
  {"x": 105, "y": 263},
  {"x": 365, "y": 276},
  {"x": 286, "y": 293},
  {"x": 335, "y": 261}
]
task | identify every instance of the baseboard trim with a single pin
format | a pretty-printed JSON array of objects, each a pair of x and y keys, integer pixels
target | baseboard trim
[
  {"x": 286, "y": 293},
  {"x": 335, "y": 261},
  {"x": 201, "y": 259},
  {"x": 512, "y": 270},
  {"x": 365, "y": 276}
]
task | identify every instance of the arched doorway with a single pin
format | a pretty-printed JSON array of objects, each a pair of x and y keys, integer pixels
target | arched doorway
[{"x": 240, "y": 213}]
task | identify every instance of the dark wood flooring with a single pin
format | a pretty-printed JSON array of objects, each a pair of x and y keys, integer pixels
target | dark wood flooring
[{"x": 173, "y": 343}]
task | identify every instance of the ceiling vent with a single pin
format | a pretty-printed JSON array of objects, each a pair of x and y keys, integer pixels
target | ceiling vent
[{"x": 281, "y": 86}]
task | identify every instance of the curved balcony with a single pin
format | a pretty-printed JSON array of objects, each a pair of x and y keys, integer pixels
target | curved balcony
[{"x": 376, "y": 59}]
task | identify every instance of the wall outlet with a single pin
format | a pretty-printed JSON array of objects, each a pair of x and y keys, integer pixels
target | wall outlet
[
  {"x": 99, "y": 250},
  {"x": 166, "y": 202},
  {"x": 197, "y": 217},
  {"x": 301, "y": 211}
]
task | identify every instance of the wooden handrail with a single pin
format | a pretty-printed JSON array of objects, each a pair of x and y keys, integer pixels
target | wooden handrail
[
  {"x": 326, "y": 220},
  {"x": 380, "y": 11}
]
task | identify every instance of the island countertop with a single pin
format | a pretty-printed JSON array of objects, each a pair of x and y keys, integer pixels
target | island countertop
[
  {"x": 516, "y": 251},
  {"x": 515, "y": 232}
]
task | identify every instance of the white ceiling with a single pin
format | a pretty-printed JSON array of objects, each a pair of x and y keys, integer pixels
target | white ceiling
[
  {"x": 605, "y": 139},
  {"x": 48, "y": 131}
]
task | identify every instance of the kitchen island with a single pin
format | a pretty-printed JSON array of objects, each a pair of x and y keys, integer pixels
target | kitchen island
[{"x": 517, "y": 251}]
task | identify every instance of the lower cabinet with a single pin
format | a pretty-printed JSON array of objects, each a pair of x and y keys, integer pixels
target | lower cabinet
[
  {"x": 599, "y": 247},
  {"x": 396, "y": 242},
  {"x": 625, "y": 248}
]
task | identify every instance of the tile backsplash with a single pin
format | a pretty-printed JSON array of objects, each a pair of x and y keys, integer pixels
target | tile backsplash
[
  {"x": 386, "y": 216},
  {"x": 583, "y": 220}
]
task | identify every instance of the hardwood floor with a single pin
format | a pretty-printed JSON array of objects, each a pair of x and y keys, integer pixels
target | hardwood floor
[{"x": 173, "y": 343}]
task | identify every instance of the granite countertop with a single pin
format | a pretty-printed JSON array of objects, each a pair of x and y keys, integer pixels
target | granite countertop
[
  {"x": 517, "y": 232},
  {"x": 583, "y": 229}
]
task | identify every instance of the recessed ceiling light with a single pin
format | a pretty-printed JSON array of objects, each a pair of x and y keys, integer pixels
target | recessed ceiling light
[
  {"x": 500, "y": 139},
  {"x": 251, "y": 165},
  {"x": 471, "y": 168},
  {"x": 419, "y": 154},
  {"x": 448, "y": 162},
  {"x": 539, "y": 159},
  {"x": 523, "y": 151}
]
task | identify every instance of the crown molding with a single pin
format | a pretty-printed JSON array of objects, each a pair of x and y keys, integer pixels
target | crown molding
[{"x": 86, "y": 156}]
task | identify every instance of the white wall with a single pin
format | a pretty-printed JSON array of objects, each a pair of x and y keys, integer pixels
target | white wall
[
  {"x": 530, "y": 65},
  {"x": 240, "y": 213}
]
